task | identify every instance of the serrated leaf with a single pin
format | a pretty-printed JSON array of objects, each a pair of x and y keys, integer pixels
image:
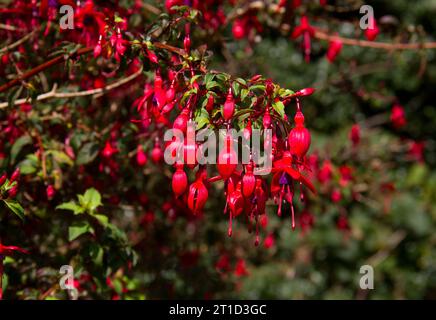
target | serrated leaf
[{"x": 15, "y": 207}]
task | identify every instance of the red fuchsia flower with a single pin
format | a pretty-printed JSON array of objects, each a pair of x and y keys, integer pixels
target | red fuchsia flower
[
  {"x": 179, "y": 181},
  {"x": 269, "y": 241},
  {"x": 169, "y": 4},
  {"x": 15, "y": 175},
  {"x": 141, "y": 156},
  {"x": 223, "y": 263},
  {"x": 342, "y": 223},
  {"x": 325, "y": 173},
  {"x": 241, "y": 268},
  {"x": 227, "y": 159},
  {"x": 416, "y": 151},
  {"x": 109, "y": 150},
  {"x": 90, "y": 21},
  {"x": 7, "y": 251},
  {"x": 198, "y": 193},
  {"x": 398, "y": 116},
  {"x": 266, "y": 118},
  {"x": 336, "y": 195},
  {"x": 307, "y": 31},
  {"x": 210, "y": 103},
  {"x": 282, "y": 185},
  {"x": 118, "y": 42},
  {"x": 181, "y": 122},
  {"x": 187, "y": 39},
  {"x": 248, "y": 180},
  {"x": 229, "y": 106},
  {"x": 334, "y": 49},
  {"x": 299, "y": 137},
  {"x": 346, "y": 175},
  {"x": 238, "y": 29},
  {"x": 355, "y": 134},
  {"x": 157, "y": 153},
  {"x": 372, "y": 31},
  {"x": 50, "y": 192}
]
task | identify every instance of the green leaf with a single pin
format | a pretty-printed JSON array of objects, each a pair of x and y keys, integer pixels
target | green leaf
[
  {"x": 77, "y": 229},
  {"x": 60, "y": 157},
  {"x": 92, "y": 199},
  {"x": 15, "y": 207},
  {"x": 279, "y": 107},
  {"x": 18, "y": 145},
  {"x": 72, "y": 206},
  {"x": 102, "y": 219},
  {"x": 87, "y": 153}
]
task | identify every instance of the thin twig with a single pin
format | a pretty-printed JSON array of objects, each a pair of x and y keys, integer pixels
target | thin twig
[
  {"x": 373, "y": 44},
  {"x": 17, "y": 43},
  {"x": 66, "y": 95}
]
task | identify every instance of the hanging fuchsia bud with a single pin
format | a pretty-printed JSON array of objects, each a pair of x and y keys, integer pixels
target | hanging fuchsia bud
[
  {"x": 266, "y": 119},
  {"x": 179, "y": 181},
  {"x": 169, "y": 4},
  {"x": 157, "y": 153},
  {"x": 235, "y": 201},
  {"x": 181, "y": 121},
  {"x": 3, "y": 179},
  {"x": 152, "y": 56},
  {"x": 248, "y": 180},
  {"x": 171, "y": 92},
  {"x": 227, "y": 159},
  {"x": 305, "y": 92},
  {"x": 15, "y": 175},
  {"x": 97, "y": 49},
  {"x": 187, "y": 39},
  {"x": 238, "y": 29},
  {"x": 210, "y": 103},
  {"x": 334, "y": 49},
  {"x": 198, "y": 193},
  {"x": 50, "y": 191},
  {"x": 13, "y": 192},
  {"x": 229, "y": 106},
  {"x": 141, "y": 156},
  {"x": 247, "y": 130},
  {"x": 108, "y": 150},
  {"x": 372, "y": 31},
  {"x": 299, "y": 137},
  {"x": 355, "y": 134}
]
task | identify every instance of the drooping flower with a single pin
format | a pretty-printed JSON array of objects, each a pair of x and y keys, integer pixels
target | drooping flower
[
  {"x": 198, "y": 193},
  {"x": 372, "y": 31},
  {"x": 334, "y": 49},
  {"x": 229, "y": 106},
  {"x": 227, "y": 159},
  {"x": 248, "y": 180},
  {"x": 180, "y": 181},
  {"x": 141, "y": 156},
  {"x": 299, "y": 137},
  {"x": 355, "y": 134},
  {"x": 50, "y": 192},
  {"x": 282, "y": 185},
  {"x": 398, "y": 116},
  {"x": 241, "y": 268},
  {"x": 307, "y": 31}
]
